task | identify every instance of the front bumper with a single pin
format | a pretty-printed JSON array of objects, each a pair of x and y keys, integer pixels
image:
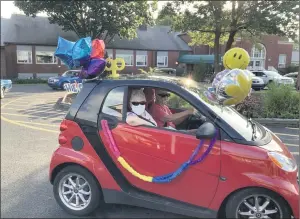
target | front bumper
[
  {"x": 258, "y": 85},
  {"x": 53, "y": 85}
]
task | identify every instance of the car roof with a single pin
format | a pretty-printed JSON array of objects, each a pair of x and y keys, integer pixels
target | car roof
[{"x": 155, "y": 80}]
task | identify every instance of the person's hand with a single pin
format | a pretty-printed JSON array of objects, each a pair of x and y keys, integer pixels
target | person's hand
[{"x": 191, "y": 111}]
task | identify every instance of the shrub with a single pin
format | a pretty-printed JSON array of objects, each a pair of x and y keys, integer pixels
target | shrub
[
  {"x": 29, "y": 81},
  {"x": 252, "y": 106},
  {"x": 201, "y": 71},
  {"x": 281, "y": 101}
]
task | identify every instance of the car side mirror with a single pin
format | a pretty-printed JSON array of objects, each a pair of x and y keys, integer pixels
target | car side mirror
[{"x": 206, "y": 131}]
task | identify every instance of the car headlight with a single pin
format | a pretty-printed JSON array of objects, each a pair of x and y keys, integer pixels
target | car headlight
[
  {"x": 283, "y": 162},
  {"x": 55, "y": 80}
]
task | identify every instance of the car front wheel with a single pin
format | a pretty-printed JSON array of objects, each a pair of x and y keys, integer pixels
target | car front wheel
[
  {"x": 77, "y": 191},
  {"x": 256, "y": 203}
]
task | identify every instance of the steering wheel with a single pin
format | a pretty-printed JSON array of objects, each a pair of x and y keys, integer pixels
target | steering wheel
[{"x": 195, "y": 121}]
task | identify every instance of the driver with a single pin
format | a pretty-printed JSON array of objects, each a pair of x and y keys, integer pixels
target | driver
[
  {"x": 139, "y": 115},
  {"x": 163, "y": 115}
]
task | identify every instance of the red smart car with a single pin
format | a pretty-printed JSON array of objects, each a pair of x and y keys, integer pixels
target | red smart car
[{"x": 248, "y": 173}]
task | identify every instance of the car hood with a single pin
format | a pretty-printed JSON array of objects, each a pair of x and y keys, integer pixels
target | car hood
[{"x": 58, "y": 78}]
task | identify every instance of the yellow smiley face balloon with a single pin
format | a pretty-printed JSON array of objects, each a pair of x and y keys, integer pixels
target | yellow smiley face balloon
[{"x": 236, "y": 58}]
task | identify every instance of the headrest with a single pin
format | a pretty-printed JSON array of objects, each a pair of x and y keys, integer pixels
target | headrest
[{"x": 149, "y": 94}]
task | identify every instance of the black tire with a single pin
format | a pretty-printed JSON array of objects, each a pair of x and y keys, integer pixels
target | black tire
[
  {"x": 96, "y": 192},
  {"x": 235, "y": 200}
]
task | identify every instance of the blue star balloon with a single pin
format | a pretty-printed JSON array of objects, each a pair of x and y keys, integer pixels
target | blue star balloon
[
  {"x": 64, "y": 51},
  {"x": 81, "y": 53}
]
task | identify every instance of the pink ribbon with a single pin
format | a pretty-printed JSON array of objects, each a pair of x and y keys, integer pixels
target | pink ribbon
[{"x": 110, "y": 138}]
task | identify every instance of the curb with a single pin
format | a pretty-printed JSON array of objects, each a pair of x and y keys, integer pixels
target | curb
[{"x": 293, "y": 123}]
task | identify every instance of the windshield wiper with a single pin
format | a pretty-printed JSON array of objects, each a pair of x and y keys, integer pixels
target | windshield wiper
[{"x": 253, "y": 126}]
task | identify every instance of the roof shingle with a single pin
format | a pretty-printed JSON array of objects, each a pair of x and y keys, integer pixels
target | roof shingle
[{"x": 21, "y": 29}]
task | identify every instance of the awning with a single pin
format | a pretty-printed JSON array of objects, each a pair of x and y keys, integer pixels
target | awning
[{"x": 196, "y": 59}]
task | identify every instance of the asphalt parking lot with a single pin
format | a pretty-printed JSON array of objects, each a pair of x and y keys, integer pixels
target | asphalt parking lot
[{"x": 29, "y": 132}]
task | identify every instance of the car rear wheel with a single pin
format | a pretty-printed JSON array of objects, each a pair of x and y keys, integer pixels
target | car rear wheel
[
  {"x": 77, "y": 191},
  {"x": 256, "y": 203}
]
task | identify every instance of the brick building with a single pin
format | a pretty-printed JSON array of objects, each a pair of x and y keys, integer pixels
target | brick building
[
  {"x": 29, "y": 45},
  {"x": 273, "y": 52}
]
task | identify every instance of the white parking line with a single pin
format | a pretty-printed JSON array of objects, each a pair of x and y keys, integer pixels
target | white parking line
[
  {"x": 293, "y": 145},
  {"x": 292, "y": 128},
  {"x": 295, "y": 153},
  {"x": 284, "y": 134}
]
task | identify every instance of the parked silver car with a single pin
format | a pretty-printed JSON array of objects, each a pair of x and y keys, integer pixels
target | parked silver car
[
  {"x": 257, "y": 83},
  {"x": 293, "y": 75},
  {"x": 272, "y": 76}
]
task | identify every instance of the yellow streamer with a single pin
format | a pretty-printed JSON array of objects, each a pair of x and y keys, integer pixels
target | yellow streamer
[{"x": 132, "y": 171}]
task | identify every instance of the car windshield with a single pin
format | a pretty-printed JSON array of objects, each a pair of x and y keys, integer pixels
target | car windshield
[
  {"x": 228, "y": 114},
  {"x": 272, "y": 73},
  {"x": 69, "y": 73}
]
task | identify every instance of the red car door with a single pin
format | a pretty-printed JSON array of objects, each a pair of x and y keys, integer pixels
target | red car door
[{"x": 155, "y": 152}]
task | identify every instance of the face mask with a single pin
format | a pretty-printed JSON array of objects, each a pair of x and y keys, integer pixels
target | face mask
[{"x": 139, "y": 109}]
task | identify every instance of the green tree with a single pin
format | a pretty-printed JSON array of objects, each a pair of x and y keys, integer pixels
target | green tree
[
  {"x": 216, "y": 22},
  {"x": 166, "y": 15},
  {"x": 98, "y": 19}
]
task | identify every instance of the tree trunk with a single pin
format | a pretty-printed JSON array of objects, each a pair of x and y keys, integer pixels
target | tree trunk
[
  {"x": 230, "y": 40},
  {"x": 216, "y": 54},
  {"x": 298, "y": 82}
]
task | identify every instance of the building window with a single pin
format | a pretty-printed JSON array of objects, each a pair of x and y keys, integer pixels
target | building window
[
  {"x": 109, "y": 53},
  {"x": 162, "y": 59},
  {"x": 127, "y": 55},
  {"x": 281, "y": 60},
  {"x": 24, "y": 54},
  {"x": 45, "y": 55},
  {"x": 257, "y": 57},
  {"x": 141, "y": 58}
]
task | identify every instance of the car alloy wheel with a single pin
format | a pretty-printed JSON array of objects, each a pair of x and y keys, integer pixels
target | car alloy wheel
[
  {"x": 75, "y": 191},
  {"x": 258, "y": 206}
]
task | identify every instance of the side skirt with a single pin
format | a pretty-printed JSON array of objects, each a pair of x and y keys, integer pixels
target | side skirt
[{"x": 116, "y": 197}]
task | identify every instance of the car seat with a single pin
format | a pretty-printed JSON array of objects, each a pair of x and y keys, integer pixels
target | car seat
[{"x": 150, "y": 97}]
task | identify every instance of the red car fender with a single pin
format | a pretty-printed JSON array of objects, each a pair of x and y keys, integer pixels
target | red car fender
[
  {"x": 67, "y": 156},
  {"x": 287, "y": 190}
]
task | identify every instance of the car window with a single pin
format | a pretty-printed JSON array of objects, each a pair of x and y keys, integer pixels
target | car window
[
  {"x": 176, "y": 102},
  {"x": 113, "y": 104},
  {"x": 75, "y": 73},
  {"x": 68, "y": 74}
]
